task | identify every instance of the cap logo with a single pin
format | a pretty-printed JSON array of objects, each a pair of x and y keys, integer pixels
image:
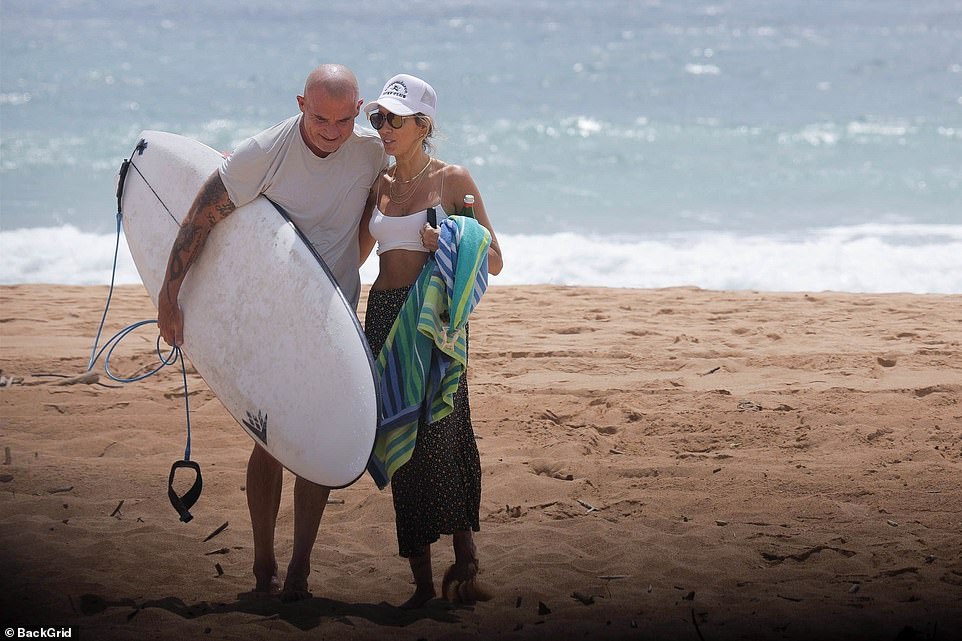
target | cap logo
[{"x": 396, "y": 88}]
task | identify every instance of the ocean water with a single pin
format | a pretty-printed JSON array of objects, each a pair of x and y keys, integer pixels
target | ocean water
[{"x": 779, "y": 145}]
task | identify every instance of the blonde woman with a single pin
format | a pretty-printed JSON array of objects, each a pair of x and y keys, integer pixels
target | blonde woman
[{"x": 438, "y": 491}]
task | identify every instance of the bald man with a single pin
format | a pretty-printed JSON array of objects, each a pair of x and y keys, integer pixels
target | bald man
[{"x": 318, "y": 167}]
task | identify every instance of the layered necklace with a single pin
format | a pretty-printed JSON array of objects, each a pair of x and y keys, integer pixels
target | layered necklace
[{"x": 401, "y": 191}]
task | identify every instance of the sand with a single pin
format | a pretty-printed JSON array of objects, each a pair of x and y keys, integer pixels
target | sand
[{"x": 673, "y": 463}]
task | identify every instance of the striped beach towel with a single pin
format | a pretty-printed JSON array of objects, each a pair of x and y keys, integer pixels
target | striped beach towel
[{"x": 426, "y": 351}]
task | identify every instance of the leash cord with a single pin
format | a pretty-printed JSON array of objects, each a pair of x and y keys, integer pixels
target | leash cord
[
  {"x": 175, "y": 352},
  {"x": 172, "y": 358},
  {"x": 181, "y": 503}
]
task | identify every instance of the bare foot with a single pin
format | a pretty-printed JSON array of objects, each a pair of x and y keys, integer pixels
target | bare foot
[
  {"x": 268, "y": 591},
  {"x": 461, "y": 585},
  {"x": 295, "y": 588},
  {"x": 418, "y": 599},
  {"x": 265, "y": 577}
]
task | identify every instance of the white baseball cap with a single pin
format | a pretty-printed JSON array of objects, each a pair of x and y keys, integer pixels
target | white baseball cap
[{"x": 406, "y": 95}]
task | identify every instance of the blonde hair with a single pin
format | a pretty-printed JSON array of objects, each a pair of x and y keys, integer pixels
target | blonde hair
[{"x": 427, "y": 143}]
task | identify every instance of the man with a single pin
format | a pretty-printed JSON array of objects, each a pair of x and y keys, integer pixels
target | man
[{"x": 319, "y": 168}]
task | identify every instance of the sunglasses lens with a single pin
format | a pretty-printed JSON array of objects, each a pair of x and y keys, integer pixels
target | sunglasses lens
[{"x": 378, "y": 119}]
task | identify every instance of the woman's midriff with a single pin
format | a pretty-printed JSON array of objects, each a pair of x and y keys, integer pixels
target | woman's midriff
[{"x": 399, "y": 268}]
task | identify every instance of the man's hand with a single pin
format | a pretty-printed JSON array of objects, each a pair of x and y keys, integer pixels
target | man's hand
[{"x": 170, "y": 321}]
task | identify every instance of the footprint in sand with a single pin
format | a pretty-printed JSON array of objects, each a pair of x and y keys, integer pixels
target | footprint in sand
[
  {"x": 551, "y": 469},
  {"x": 606, "y": 429},
  {"x": 572, "y": 330}
]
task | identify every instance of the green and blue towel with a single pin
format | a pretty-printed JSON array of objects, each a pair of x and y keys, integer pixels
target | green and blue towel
[{"x": 426, "y": 351}]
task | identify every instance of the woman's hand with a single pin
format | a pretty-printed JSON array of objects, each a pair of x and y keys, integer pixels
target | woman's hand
[{"x": 429, "y": 238}]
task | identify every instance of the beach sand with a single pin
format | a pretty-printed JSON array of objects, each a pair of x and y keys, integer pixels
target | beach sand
[{"x": 658, "y": 464}]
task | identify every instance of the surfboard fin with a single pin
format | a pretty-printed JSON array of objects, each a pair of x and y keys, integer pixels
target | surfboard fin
[{"x": 183, "y": 503}]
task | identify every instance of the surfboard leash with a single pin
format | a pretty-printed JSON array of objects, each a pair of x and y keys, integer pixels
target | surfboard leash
[
  {"x": 121, "y": 182},
  {"x": 181, "y": 503}
]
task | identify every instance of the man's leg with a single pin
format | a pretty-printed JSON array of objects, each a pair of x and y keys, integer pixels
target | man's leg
[
  {"x": 264, "y": 483},
  {"x": 310, "y": 500}
]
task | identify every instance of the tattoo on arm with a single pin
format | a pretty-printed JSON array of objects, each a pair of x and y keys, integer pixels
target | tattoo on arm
[
  {"x": 211, "y": 206},
  {"x": 213, "y": 200}
]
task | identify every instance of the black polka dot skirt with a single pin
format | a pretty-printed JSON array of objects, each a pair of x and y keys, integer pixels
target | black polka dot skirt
[{"x": 438, "y": 491}]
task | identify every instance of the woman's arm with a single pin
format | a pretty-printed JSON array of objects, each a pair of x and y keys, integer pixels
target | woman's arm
[
  {"x": 461, "y": 184},
  {"x": 364, "y": 238}
]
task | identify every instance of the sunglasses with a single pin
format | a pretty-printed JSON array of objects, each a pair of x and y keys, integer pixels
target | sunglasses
[{"x": 378, "y": 118}]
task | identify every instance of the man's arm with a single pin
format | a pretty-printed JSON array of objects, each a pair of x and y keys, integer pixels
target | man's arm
[{"x": 211, "y": 206}]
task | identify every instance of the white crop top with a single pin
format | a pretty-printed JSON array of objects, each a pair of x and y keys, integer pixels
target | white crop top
[{"x": 400, "y": 232}]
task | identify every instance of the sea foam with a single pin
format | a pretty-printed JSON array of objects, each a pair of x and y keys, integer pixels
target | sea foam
[{"x": 865, "y": 258}]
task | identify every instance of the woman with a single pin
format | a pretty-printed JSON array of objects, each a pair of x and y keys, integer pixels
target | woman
[{"x": 438, "y": 491}]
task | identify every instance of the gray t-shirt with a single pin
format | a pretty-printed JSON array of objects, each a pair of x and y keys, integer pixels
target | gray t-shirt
[{"x": 323, "y": 196}]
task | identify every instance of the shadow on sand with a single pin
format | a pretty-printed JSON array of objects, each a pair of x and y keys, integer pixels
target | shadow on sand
[{"x": 304, "y": 615}]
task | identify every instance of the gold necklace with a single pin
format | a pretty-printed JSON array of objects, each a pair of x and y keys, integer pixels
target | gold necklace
[
  {"x": 400, "y": 198},
  {"x": 418, "y": 175}
]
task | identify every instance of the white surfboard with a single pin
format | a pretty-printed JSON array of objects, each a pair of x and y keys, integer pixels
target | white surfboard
[{"x": 265, "y": 324}]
